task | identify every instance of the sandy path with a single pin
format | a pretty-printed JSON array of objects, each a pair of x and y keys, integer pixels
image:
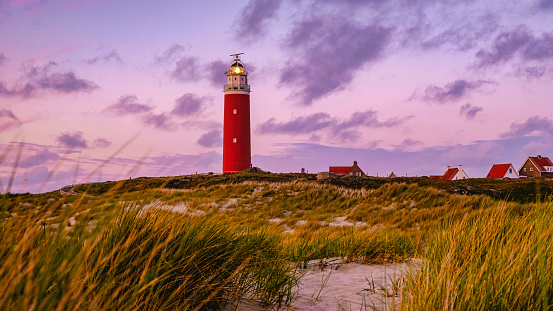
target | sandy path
[{"x": 349, "y": 286}]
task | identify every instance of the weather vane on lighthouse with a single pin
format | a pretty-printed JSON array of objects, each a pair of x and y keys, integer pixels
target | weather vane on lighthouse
[{"x": 236, "y": 128}]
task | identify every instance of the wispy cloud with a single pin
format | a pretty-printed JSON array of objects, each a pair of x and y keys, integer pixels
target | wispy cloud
[
  {"x": 40, "y": 158},
  {"x": 187, "y": 69},
  {"x": 344, "y": 129},
  {"x": 211, "y": 139},
  {"x": 171, "y": 54},
  {"x": 536, "y": 125},
  {"x": 451, "y": 92},
  {"x": 105, "y": 57},
  {"x": 8, "y": 120},
  {"x": 216, "y": 72},
  {"x": 188, "y": 104},
  {"x": 531, "y": 72},
  {"x": 519, "y": 41},
  {"x": 72, "y": 140},
  {"x": 101, "y": 143},
  {"x": 3, "y": 59},
  {"x": 255, "y": 16},
  {"x": 463, "y": 36},
  {"x": 127, "y": 105},
  {"x": 40, "y": 79},
  {"x": 333, "y": 48},
  {"x": 469, "y": 111},
  {"x": 161, "y": 121}
]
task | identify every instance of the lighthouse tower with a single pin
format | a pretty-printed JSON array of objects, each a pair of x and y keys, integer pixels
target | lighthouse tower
[{"x": 236, "y": 129}]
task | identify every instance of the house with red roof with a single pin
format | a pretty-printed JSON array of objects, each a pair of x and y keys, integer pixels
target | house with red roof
[
  {"x": 347, "y": 170},
  {"x": 536, "y": 167},
  {"x": 452, "y": 173},
  {"x": 503, "y": 171}
]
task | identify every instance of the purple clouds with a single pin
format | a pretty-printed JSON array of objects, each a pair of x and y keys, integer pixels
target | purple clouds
[
  {"x": 520, "y": 41},
  {"x": 127, "y": 105},
  {"x": 188, "y": 104},
  {"x": 453, "y": 91},
  {"x": 106, "y": 58},
  {"x": 40, "y": 158},
  {"x": 322, "y": 121},
  {"x": 546, "y": 4},
  {"x": 3, "y": 59},
  {"x": 469, "y": 111},
  {"x": 535, "y": 125},
  {"x": 160, "y": 121},
  {"x": 327, "y": 54},
  {"x": 300, "y": 125},
  {"x": 531, "y": 72},
  {"x": 190, "y": 69},
  {"x": 464, "y": 36},
  {"x": 216, "y": 70},
  {"x": 40, "y": 79},
  {"x": 72, "y": 140},
  {"x": 254, "y": 17},
  {"x": 101, "y": 143},
  {"x": 76, "y": 140},
  {"x": 170, "y": 54},
  {"x": 8, "y": 120},
  {"x": 187, "y": 70},
  {"x": 211, "y": 139}
]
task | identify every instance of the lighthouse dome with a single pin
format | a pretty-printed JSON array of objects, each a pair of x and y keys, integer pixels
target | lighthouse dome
[{"x": 237, "y": 68}]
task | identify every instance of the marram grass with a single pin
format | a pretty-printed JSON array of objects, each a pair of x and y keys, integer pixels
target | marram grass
[
  {"x": 140, "y": 260},
  {"x": 497, "y": 259},
  {"x": 116, "y": 245}
]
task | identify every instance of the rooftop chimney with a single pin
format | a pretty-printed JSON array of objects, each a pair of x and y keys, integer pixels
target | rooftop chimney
[
  {"x": 354, "y": 162},
  {"x": 539, "y": 156},
  {"x": 459, "y": 167},
  {"x": 448, "y": 167}
]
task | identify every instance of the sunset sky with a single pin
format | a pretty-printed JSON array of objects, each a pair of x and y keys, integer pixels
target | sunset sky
[{"x": 107, "y": 90}]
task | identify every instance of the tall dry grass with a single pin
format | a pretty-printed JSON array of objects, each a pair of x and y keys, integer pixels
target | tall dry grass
[
  {"x": 498, "y": 259},
  {"x": 140, "y": 260}
]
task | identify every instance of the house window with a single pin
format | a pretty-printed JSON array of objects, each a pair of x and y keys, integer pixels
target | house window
[
  {"x": 234, "y": 140},
  {"x": 531, "y": 169},
  {"x": 234, "y": 111},
  {"x": 524, "y": 169},
  {"x": 510, "y": 171}
]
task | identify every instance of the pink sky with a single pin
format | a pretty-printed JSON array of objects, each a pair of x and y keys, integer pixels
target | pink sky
[{"x": 106, "y": 90}]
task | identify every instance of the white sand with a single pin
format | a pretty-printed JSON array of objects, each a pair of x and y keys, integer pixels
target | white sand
[{"x": 349, "y": 286}]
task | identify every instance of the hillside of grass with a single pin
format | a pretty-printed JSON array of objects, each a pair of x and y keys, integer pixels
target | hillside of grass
[
  {"x": 521, "y": 191},
  {"x": 201, "y": 242}
]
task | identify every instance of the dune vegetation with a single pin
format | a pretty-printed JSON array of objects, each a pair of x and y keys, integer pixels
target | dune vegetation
[{"x": 202, "y": 242}]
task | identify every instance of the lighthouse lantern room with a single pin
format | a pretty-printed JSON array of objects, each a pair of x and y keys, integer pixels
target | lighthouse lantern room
[{"x": 236, "y": 128}]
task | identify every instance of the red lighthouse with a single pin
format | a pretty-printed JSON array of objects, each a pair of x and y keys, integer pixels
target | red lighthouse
[{"x": 236, "y": 129}]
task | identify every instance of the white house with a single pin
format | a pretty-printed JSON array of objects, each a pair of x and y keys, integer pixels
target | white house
[{"x": 503, "y": 171}]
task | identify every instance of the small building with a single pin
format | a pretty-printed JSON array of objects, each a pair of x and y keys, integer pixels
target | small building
[
  {"x": 455, "y": 173},
  {"x": 325, "y": 175},
  {"x": 347, "y": 170},
  {"x": 536, "y": 167},
  {"x": 392, "y": 175},
  {"x": 503, "y": 171}
]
